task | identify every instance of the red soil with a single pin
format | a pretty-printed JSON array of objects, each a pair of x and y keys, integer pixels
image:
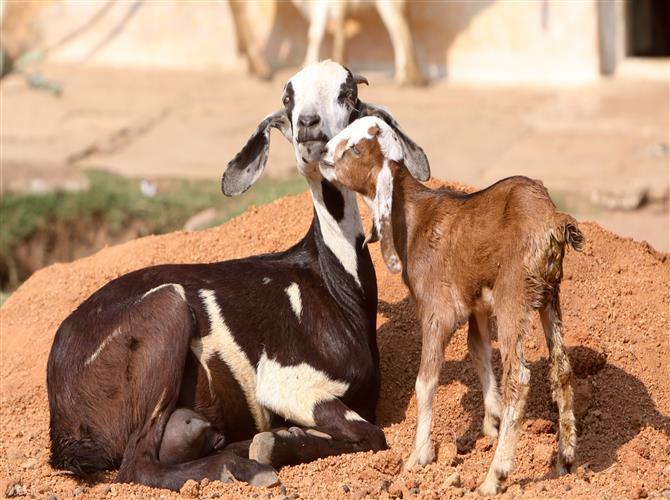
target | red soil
[{"x": 616, "y": 308}]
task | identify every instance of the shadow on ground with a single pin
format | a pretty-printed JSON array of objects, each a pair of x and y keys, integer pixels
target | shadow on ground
[{"x": 612, "y": 406}]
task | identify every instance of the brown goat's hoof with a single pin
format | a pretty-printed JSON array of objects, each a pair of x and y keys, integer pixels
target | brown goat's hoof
[
  {"x": 489, "y": 488},
  {"x": 261, "y": 447}
]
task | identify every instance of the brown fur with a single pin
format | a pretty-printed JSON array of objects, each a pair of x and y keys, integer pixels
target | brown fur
[{"x": 496, "y": 252}]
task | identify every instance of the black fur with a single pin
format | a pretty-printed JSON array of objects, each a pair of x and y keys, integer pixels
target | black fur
[{"x": 333, "y": 200}]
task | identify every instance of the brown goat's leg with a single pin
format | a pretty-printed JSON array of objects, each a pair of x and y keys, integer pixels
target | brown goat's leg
[
  {"x": 512, "y": 325},
  {"x": 337, "y": 430},
  {"x": 561, "y": 387},
  {"x": 479, "y": 346},
  {"x": 432, "y": 357}
]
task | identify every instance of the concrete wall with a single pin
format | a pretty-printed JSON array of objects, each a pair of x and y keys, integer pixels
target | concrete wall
[{"x": 464, "y": 40}]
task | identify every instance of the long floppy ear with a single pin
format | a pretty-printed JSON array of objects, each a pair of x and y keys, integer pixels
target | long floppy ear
[
  {"x": 247, "y": 165},
  {"x": 414, "y": 157},
  {"x": 381, "y": 213}
]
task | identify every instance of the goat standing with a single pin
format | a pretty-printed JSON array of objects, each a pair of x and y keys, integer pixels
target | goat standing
[
  {"x": 249, "y": 344},
  {"x": 463, "y": 257}
]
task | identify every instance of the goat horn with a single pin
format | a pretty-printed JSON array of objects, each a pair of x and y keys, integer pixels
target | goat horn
[{"x": 361, "y": 79}]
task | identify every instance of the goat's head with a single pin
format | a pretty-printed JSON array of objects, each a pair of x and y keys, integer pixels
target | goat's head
[
  {"x": 360, "y": 158},
  {"x": 319, "y": 101}
]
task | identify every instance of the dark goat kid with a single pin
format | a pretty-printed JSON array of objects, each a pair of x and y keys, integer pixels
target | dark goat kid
[
  {"x": 251, "y": 345},
  {"x": 496, "y": 252}
]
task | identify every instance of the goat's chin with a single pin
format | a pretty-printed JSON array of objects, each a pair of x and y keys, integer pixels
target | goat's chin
[{"x": 310, "y": 152}]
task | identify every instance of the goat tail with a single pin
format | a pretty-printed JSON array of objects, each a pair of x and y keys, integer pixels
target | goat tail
[{"x": 571, "y": 232}]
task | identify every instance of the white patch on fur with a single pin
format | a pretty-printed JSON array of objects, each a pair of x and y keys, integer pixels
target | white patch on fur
[
  {"x": 266, "y": 280},
  {"x": 104, "y": 343},
  {"x": 293, "y": 391},
  {"x": 359, "y": 130},
  {"x": 178, "y": 288},
  {"x": 293, "y": 292},
  {"x": 352, "y": 416},
  {"x": 316, "y": 90},
  {"x": 318, "y": 434},
  {"x": 221, "y": 342},
  {"x": 157, "y": 409},
  {"x": 423, "y": 452},
  {"x": 340, "y": 237}
]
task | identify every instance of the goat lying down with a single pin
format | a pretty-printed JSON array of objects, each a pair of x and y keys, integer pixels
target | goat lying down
[
  {"x": 465, "y": 257},
  {"x": 191, "y": 371}
]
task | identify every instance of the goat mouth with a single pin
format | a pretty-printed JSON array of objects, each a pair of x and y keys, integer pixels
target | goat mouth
[{"x": 302, "y": 139}]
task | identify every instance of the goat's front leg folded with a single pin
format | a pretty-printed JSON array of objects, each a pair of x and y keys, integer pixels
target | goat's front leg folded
[
  {"x": 337, "y": 430},
  {"x": 435, "y": 333}
]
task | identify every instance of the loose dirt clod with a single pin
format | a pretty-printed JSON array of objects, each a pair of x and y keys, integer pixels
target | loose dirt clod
[{"x": 616, "y": 308}]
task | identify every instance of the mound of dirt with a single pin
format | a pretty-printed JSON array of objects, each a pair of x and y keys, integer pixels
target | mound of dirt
[{"x": 616, "y": 306}]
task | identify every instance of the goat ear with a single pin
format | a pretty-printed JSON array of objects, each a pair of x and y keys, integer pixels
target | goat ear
[
  {"x": 381, "y": 211},
  {"x": 247, "y": 165},
  {"x": 414, "y": 157}
]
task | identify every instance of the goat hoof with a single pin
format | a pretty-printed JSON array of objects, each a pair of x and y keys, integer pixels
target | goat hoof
[
  {"x": 265, "y": 479},
  {"x": 261, "y": 448},
  {"x": 423, "y": 456},
  {"x": 489, "y": 488},
  {"x": 564, "y": 467}
]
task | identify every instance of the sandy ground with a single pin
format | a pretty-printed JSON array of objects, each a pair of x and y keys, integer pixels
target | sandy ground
[
  {"x": 616, "y": 307},
  {"x": 608, "y": 138}
]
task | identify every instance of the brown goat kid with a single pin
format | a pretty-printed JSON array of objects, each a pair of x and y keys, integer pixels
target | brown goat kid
[{"x": 466, "y": 257}]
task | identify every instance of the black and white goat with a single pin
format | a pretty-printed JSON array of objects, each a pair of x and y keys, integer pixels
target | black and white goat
[{"x": 251, "y": 345}]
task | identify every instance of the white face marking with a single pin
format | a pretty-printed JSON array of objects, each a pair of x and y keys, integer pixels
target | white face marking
[
  {"x": 266, "y": 280},
  {"x": 340, "y": 237},
  {"x": 316, "y": 89},
  {"x": 178, "y": 288},
  {"x": 104, "y": 343},
  {"x": 359, "y": 130},
  {"x": 293, "y": 391},
  {"x": 221, "y": 342},
  {"x": 352, "y": 416},
  {"x": 293, "y": 292}
]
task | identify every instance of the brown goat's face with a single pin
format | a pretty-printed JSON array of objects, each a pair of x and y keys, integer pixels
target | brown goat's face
[
  {"x": 355, "y": 167},
  {"x": 359, "y": 159},
  {"x": 355, "y": 156}
]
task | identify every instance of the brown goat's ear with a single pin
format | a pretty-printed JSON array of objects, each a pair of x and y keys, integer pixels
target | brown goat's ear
[
  {"x": 414, "y": 157},
  {"x": 360, "y": 79},
  {"x": 381, "y": 211}
]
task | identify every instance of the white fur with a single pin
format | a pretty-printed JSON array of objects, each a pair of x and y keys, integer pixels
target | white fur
[
  {"x": 352, "y": 416},
  {"x": 178, "y": 288},
  {"x": 359, "y": 130},
  {"x": 293, "y": 292},
  {"x": 293, "y": 391},
  {"x": 316, "y": 90},
  {"x": 340, "y": 237},
  {"x": 221, "y": 342},
  {"x": 104, "y": 343},
  {"x": 266, "y": 280},
  {"x": 423, "y": 452}
]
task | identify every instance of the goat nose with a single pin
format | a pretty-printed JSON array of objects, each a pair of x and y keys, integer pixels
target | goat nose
[{"x": 308, "y": 120}]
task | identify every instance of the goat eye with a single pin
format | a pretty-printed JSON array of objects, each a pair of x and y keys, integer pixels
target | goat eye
[{"x": 355, "y": 150}]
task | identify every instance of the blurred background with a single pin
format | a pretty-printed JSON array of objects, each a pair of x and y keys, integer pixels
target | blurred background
[{"x": 119, "y": 116}]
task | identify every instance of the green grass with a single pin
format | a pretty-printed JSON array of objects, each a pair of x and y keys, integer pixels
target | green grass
[{"x": 115, "y": 201}]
